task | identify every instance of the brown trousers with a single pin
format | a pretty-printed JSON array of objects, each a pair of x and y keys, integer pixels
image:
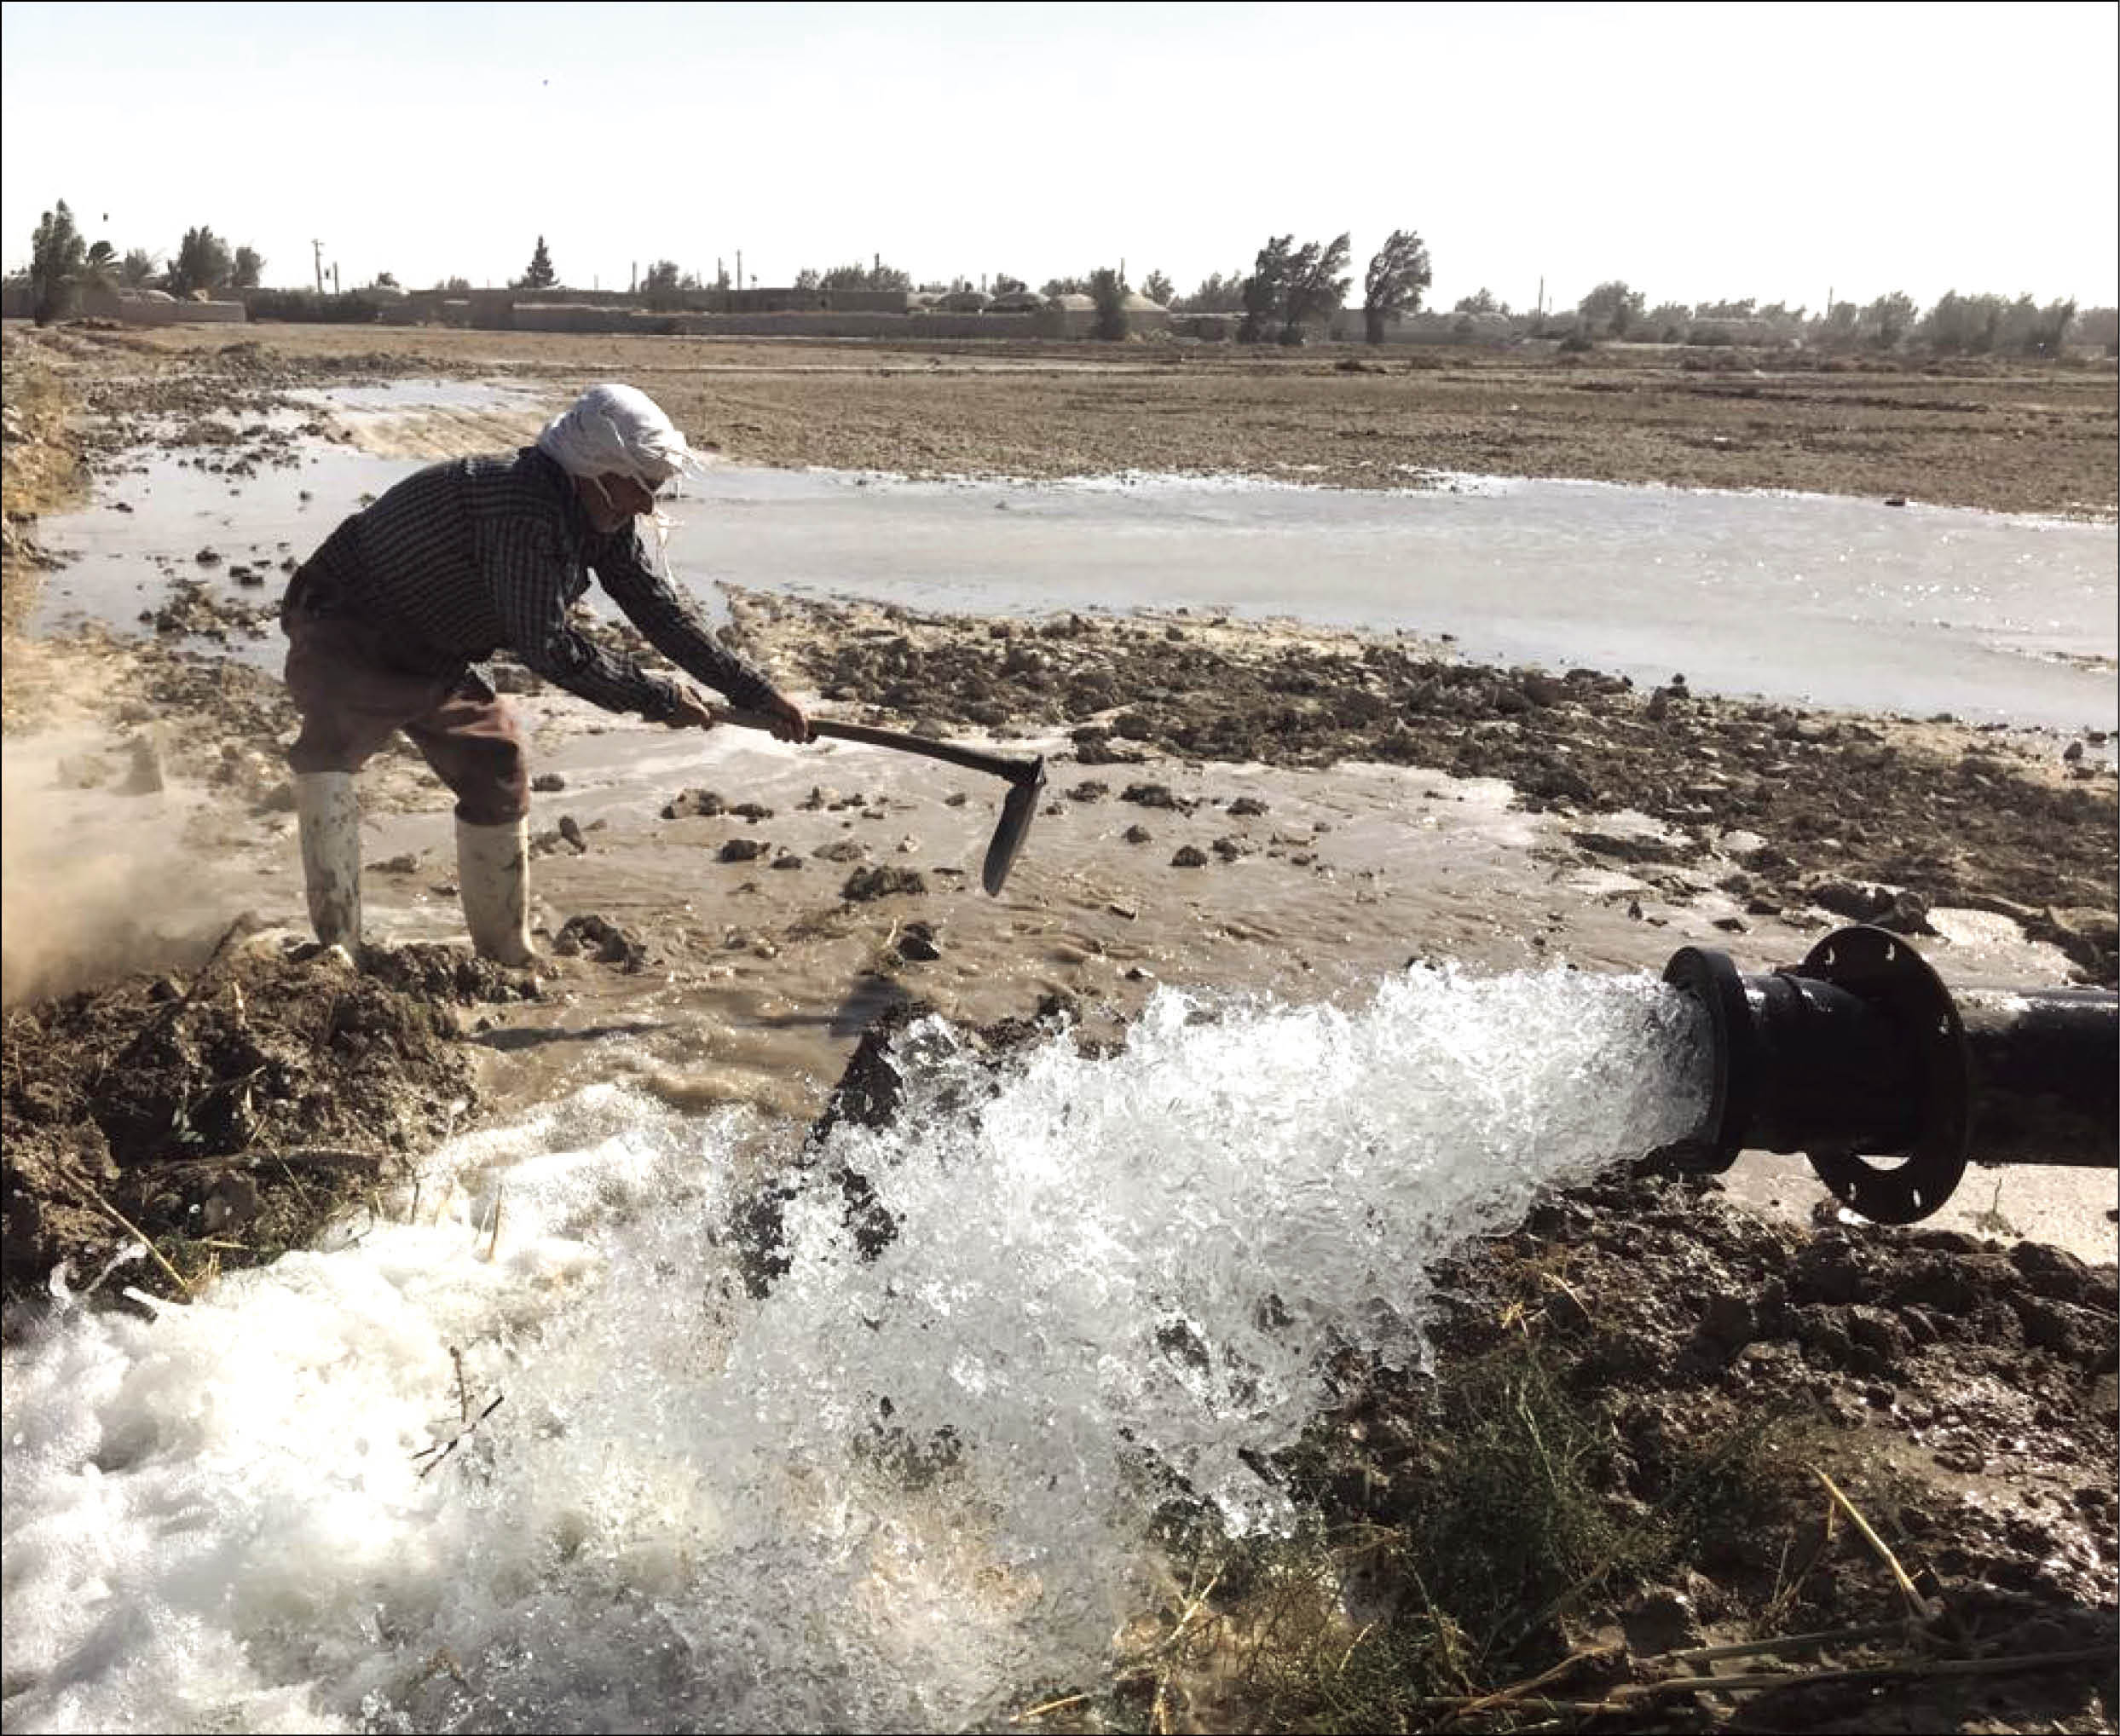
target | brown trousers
[{"x": 351, "y": 697}]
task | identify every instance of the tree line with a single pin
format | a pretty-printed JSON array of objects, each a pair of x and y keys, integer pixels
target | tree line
[
  {"x": 1290, "y": 291},
  {"x": 63, "y": 263}
]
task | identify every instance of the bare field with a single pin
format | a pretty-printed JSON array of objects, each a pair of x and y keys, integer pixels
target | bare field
[{"x": 2007, "y": 435}]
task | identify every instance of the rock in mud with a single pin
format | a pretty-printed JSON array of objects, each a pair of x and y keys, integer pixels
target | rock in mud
[
  {"x": 916, "y": 944},
  {"x": 597, "y": 938},
  {"x": 884, "y": 881},
  {"x": 704, "y": 805},
  {"x": 743, "y": 850}
]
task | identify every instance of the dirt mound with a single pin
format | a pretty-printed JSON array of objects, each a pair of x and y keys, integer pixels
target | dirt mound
[
  {"x": 1641, "y": 1406},
  {"x": 225, "y": 1118}
]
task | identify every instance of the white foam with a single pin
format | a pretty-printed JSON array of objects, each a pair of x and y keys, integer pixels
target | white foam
[{"x": 684, "y": 1511}]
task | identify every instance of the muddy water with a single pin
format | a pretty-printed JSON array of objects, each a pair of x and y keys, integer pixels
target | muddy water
[
  {"x": 759, "y": 978},
  {"x": 893, "y": 1494},
  {"x": 1807, "y": 599}
]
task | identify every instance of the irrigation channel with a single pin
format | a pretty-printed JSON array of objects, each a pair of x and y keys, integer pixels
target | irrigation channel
[{"x": 888, "y": 1494}]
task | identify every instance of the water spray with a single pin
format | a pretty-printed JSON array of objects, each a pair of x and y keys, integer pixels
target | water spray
[{"x": 1860, "y": 1053}]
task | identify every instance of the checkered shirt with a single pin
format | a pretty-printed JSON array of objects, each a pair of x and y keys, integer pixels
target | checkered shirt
[{"x": 466, "y": 558}]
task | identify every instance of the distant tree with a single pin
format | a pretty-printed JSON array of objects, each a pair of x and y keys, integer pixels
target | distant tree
[
  {"x": 1887, "y": 320},
  {"x": 1109, "y": 289},
  {"x": 57, "y": 254},
  {"x": 2047, "y": 332},
  {"x": 1005, "y": 285},
  {"x": 1724, "y": 310},
  {"x": 874, "y": 276},
  {"x": 1266, "y": 289},
  {"x": 1610, "y": 309},
  {"x": 1669, "y": 323},
  {"x": 387, "y": 280},
  {"x": 1316, "y": 286},
  {"x": 2099, "y": 327},
  {"x": 1158, "y": 289},
  {"x": 250, "y": 266},
  {"x": 663, "y": 284},
  {"x": 1217, "y": 295},
  {"x": 1961, "y": 325},
  {"x": 454, "y": 285},
  {"x": 137, "y": 270},
  {"x": 203, "y": 261},
  {"x": 540, "y": 275},
  {"x": 1065, "y": 287},
  {"x": 1840, "y": 324},
  {"x": 1482, "y": 302},
  {"x": 1398, "y": 277}
]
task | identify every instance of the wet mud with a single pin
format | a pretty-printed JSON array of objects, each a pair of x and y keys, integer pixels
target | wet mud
[{"x": 226, "y": 1113}]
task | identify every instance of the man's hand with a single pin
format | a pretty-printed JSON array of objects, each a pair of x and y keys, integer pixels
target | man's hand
[
  {"x": 788, "y": 723},
  {"x": 691, "y": 713}
]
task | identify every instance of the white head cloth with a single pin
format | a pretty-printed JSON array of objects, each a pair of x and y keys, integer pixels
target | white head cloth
[{"x": 617, "y": 431}]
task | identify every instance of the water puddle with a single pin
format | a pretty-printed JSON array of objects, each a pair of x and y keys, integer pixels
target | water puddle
[
  {"x": 1807, "y": 599},
  {"x": 522, "y": 1451},
  {"x": 1801, "y": 599}
]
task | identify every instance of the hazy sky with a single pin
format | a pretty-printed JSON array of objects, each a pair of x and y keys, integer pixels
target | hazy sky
[{"x": 1699, "y": 151}]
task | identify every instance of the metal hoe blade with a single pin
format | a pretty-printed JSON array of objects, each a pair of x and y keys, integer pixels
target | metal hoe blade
[
  {"x": 1016, "y": 815},
  {"x": 1026, "y": 778}
]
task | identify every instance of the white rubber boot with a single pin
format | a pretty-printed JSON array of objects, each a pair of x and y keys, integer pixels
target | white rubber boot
[
  {"x": 492, "y": 874},
  {"x": 328, "y": 812}
]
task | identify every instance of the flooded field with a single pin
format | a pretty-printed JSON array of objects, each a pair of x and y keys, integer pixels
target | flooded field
[
  {"x": 1800, "y": 599},
  {"x": 1236, "y": 1249}
]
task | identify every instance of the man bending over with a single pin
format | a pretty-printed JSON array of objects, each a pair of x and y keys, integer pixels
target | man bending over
[{"x": 457, "y": 562}]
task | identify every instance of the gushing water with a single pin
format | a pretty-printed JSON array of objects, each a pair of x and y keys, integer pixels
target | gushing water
[{"x": 893, "y": 1493}]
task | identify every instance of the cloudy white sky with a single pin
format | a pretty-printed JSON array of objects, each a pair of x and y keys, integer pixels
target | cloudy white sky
[{"x": 1699, "y": 151}]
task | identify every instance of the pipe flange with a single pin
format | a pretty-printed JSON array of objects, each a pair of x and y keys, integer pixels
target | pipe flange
[
  {"x": 1879, "y": 968},
  {"x": 1712, "y": 981}
]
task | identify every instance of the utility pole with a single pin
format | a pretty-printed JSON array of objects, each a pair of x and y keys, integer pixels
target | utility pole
[
  {"x": 319, "y": 246},
  {"x": 1540, "y": 310},
  {"x": 739, "y": 269},
  {"x": 334, "y": 277}
]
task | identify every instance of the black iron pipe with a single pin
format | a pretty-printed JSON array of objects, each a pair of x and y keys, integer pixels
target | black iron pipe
[
  {"x": 1861, "y": 1052},
  {"x": 2046, "y": 1081}
]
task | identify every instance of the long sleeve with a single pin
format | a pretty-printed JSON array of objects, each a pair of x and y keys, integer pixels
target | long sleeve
[
  {"x": 670, "y": 622},
  {"x": 527, "y": 575}
]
